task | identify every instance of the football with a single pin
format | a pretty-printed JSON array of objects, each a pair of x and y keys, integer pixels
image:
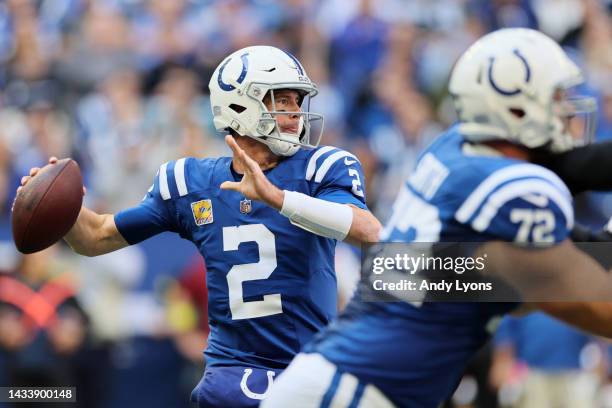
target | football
[{"x": 47, "y": 206}]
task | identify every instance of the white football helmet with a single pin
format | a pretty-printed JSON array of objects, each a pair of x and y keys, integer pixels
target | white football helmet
[
  {"x": 237, "y": 89},
  {"x": 514, "y": 84}
]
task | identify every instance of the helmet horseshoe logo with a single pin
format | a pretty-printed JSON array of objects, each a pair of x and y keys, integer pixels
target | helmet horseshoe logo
[
  {"x": 504, "y": 91},
  {"x": 245, "y": 67}
]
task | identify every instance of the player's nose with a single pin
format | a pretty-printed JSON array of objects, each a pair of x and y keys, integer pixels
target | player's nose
[{"x": 293, "y": 106}]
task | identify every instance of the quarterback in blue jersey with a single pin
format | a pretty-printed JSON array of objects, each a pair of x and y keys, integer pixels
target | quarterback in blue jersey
[
  {"x": 475, "y": 182},
  {"x": 265, "y": 220}
]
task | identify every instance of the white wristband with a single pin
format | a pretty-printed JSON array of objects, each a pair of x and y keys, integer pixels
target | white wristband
[{"x": 325, "y": 218}]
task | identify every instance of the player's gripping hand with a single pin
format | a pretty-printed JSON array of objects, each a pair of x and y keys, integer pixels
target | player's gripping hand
[
  {"x": 254, "y": 184},
  {"x": 33, "y": 172}
]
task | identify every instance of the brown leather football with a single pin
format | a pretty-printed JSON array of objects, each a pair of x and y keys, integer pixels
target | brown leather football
[{"x": 47, "y": 206}]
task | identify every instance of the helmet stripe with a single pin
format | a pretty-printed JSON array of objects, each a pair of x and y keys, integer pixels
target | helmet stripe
[{"x": 297, "y": 63}]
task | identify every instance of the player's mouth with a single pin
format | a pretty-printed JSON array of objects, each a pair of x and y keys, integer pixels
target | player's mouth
[{"x": 289, "y": 129}]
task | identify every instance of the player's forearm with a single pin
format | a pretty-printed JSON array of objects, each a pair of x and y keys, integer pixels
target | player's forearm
[
  {"x": 329, "y": 219},
  {"x": 94, "y": 234},
  {"x": 562, "y": 280},
  {"x": 561, "y": 272},
  {"x": 365, "y": 227}
]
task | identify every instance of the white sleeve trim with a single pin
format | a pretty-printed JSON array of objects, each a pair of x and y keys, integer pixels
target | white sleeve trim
[
  {"x": 480, "y": 194},
  {"x": 163, "y": 182},
  {"x": 179, "y": 177},
  {"x": 312, "y": 163},
  {"x": 517, "y": 189},
  {"x": 329, "y": 161}
]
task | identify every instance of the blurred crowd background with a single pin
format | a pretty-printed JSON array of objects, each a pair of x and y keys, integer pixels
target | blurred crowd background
[{"x": 121, "y": 86}]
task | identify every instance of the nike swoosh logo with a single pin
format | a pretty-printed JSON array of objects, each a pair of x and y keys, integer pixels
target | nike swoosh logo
[{"x": 348, "y": 161}]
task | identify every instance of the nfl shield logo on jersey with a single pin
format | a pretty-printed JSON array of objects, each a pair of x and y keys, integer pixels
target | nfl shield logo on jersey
[
  {"x": 245, "y": 206},
  {"x": 202, "y": 212}
]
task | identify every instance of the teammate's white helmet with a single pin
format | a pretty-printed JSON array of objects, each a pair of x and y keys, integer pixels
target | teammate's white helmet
[
  {"x": 513, "y": 84},
  {"x": 237, "y": 89}
]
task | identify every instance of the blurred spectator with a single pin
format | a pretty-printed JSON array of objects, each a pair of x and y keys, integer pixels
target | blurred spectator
[
  {"x": 145, "y": 320},
  {"x": 529, "y": 372},
  {"x": 597, "y": 45},
  {"x": 127, "y": 137},
  {"x": 498, "y": 14},
  {"x": 179, "y": 119},
  {"x": 356, "y": 52},
  {"x": 101, "y": 42},
  {"x": 30, "y": 132},
  {"x": 120, "y": 85},
  {"x": 188, "y": 315},
  {"x": 43, "y": 329},
  {"x": 162, "y": 34},
  {"x": 568, "y": 17},
  {"x": 113, "y": 139}
]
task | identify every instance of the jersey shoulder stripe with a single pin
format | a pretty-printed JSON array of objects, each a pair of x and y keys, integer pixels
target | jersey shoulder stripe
[
  {"x": 179, "y": 177},
  {"x": 522, "y": 188},
  {"x": 329, "y": 161},
  {"x": 312, "y": 163},
  {"x": 318, "y": 166},
  {"x": 164, "y": 190},
  {"x": 481, "y": 193},
  {"x": 172, "y": 179}
]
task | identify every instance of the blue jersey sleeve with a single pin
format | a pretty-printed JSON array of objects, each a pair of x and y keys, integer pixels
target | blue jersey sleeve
[
  {"x": 336, "y": 175},
  {"x": 152, "y": 216},
  {"x": 525, "y": 210}
]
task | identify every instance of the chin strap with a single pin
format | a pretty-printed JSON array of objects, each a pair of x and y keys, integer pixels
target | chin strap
[
  {"x": 285, "y": 147},
  {"x": 281, "y": 147}
]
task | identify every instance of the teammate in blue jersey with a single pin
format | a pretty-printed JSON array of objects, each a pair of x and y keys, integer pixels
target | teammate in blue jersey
[
  {"x": 475, "y": 182},
  {"x": 265, "y": 220}
]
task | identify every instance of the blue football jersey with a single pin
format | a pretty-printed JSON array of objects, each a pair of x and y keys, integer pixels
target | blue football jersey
[
  {"x": 271, "y": 285},
  {"x": 416, "y": 354}
]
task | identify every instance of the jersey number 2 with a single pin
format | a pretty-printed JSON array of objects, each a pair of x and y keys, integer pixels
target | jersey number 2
[
  {"x": 356, "y": 183},
  {"x": 263, "y": 237}
]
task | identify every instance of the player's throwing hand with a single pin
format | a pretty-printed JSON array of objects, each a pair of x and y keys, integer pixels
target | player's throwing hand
[
  {"x": 34, "y": 171},
  {"x": 254, "y": 184}
]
